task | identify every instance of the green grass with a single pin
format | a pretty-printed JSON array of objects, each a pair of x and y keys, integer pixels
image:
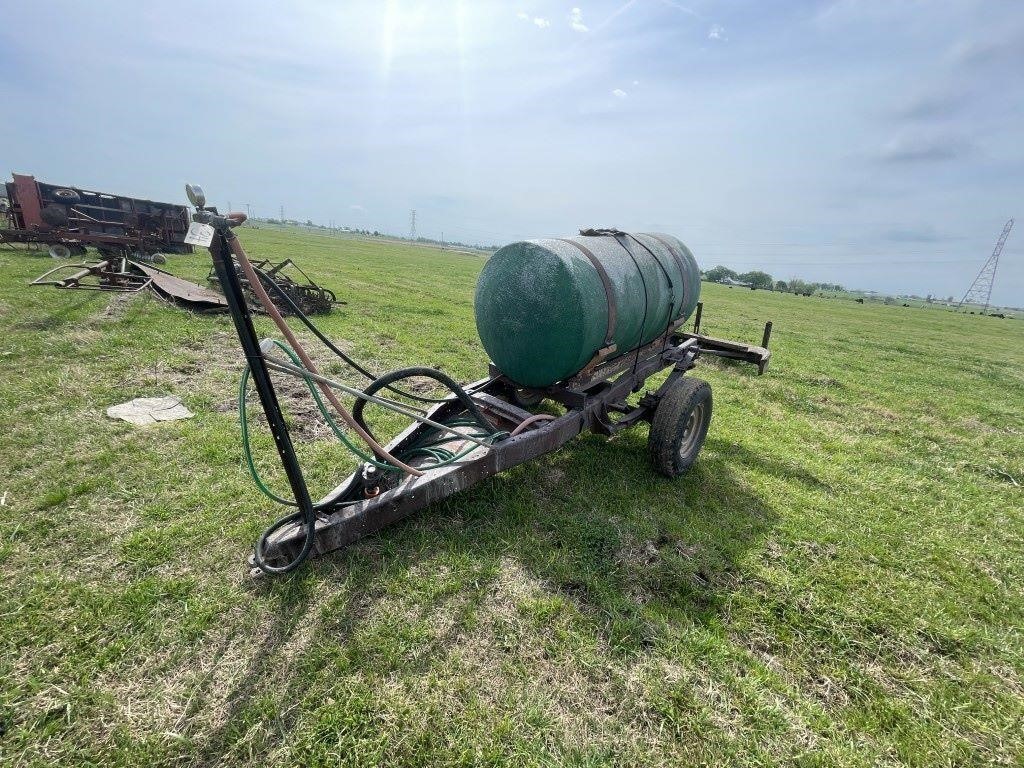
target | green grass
[{"x": 836, "y": 582}]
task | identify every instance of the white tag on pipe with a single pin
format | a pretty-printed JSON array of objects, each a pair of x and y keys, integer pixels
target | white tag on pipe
[{"x": 199, "y": 234}]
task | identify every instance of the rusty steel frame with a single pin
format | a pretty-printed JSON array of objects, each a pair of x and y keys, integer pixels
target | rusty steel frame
[
  {"x": 733, "y": 350},
  {"x": 590, "y": 400},
  {"x": 310, "y": 297},
  {"x": 127, "y": 276},
  {"x": 109, "y": 278},
  {"x": 26, "y": 224},
  {"x": 587, "y": 408}
]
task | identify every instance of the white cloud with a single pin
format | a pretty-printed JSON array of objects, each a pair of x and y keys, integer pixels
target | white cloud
[
  {"x": 717, "y": 32},
  {"x": 636, "y": 82},
  {"x": 538, "y": 21},
  {"x": 576, "y": 20},
  {"x": 357, "y": 207},
  {"x": 619, "y": 93}
]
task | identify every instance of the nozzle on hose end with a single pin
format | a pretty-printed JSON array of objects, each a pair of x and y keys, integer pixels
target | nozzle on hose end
[{"x": 267, "y": 346}]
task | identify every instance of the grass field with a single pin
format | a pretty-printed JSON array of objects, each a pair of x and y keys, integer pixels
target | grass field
[{"x": 838, "y": 581}]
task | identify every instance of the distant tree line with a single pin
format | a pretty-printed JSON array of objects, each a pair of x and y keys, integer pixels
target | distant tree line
[
  {"x": 454, "y": 243},
  {"x": 765, "y": 282}
]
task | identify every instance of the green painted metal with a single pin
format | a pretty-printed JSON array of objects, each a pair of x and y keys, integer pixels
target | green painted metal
[{"x": 542, "y": 311}]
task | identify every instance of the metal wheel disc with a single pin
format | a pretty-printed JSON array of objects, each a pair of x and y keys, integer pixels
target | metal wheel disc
[{"x": 692, "y": 430}]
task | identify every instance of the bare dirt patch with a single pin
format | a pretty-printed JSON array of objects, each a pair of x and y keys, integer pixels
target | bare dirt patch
[
  {"x": 119, "y": 304},
  {"x": 209, "y": 368}
]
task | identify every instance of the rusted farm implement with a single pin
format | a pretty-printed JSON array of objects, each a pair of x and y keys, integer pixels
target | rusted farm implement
[
  {"x": 121, "y": 274},
  {"x": 608, "y": 345},
  {"x": 70, "y": 219},
  {"x": 308, "y": 296}
]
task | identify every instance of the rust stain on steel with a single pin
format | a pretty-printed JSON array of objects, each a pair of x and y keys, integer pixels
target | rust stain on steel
[
  {"x": 587, "y": 409},
  {"x": 61, "y": 215},
  {"x": 130, "y": 276},
  {"x": 181, "y": 290}
]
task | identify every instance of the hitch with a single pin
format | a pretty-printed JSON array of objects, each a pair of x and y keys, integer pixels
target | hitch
[{"x": 732, "y": 350}]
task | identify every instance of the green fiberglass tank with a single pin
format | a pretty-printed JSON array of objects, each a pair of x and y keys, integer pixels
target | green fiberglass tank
[{"x": 547, "y": 308}]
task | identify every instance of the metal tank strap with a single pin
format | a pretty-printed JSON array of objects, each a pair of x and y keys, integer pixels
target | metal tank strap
[
  {"x": 671, "y": 283},
  {"x": 620, "y": 236},
  {"x": 609, "y": 336},
  {"x": 675, "y": 256}
]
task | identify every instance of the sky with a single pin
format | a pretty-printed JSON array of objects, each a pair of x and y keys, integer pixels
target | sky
[{"x": 874, "y": 143}]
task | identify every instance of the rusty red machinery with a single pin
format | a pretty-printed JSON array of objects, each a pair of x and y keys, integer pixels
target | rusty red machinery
[
  {"x": 69, "y": 219},
  {"x": 127, "y": 232},
  {"x": 121, "y": 274},
  {"x": 290, "y": 295}
]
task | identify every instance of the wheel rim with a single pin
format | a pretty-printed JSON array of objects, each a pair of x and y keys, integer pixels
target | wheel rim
[{"x": 691, "y": 431}]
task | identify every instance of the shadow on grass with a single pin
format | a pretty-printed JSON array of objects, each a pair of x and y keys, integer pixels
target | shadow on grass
[
  {"x": 781, "y": 469},
  {"x": 244, "y": 704},
  {"x": 734, "y": 367},
  {"x": 639, "y": 556}
]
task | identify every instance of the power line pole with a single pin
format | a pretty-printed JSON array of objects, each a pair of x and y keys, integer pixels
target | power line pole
[
  {"x": 442, "y": 239},
  {"x": 282, "y": 214},
  {"x": 980, "y": 291},
  {"x": 412, "y": 225},
  {"x": 248, "y": 210}
]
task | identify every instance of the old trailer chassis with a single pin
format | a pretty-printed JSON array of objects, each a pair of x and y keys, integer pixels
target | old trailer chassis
[
  {"x": 597, "y": 403},
  {"x": 595, "y": 399}
]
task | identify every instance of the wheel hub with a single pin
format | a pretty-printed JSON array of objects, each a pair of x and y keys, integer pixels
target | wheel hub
[{"x": 691, "y": 431}]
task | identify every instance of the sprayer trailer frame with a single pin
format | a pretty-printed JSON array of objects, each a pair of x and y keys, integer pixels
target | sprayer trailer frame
[
  {"x": 370, "y": 499},
  {"x": 590, "y": 398}
]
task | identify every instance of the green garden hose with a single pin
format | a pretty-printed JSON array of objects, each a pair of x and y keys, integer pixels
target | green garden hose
[{"x": 431, "y": 449}]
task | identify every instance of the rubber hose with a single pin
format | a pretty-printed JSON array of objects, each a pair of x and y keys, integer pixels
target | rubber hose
[
  {"x": 257, "y": 287},
  {"x": 304, "y": 319},
  {"x": 430, "y": 373},
  {"x": 531, "y": 420},
  {"x": 307, "y": 544}
]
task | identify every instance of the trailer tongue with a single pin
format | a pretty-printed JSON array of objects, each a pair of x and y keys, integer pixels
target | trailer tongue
[{"x": 490, "y": 425}]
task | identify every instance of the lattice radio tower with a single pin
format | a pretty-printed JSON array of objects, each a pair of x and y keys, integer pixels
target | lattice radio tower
[
  {"x": 412, "y": 226},
  {"x": 980, "y": 291}
]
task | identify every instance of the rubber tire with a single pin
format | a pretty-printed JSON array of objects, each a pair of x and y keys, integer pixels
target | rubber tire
[{"x": 669, "y": 424}]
